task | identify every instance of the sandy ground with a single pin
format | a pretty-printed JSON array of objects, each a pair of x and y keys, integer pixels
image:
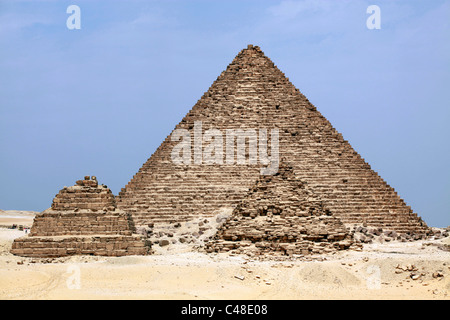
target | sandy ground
[
  {"x": 10, "y": 217},
  {"x": 374, "y": 273}
]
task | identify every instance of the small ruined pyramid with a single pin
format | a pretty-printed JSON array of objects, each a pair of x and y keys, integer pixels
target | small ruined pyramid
[
  {"x": 280, "y": 213},
  {"x": 83, "y": 220},
  {"x": 252, "y": 93}
]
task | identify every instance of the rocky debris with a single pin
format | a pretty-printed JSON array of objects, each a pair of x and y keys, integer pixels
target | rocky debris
[
  {"x": 438, "y": 233},
  {"x": 83, "y": 220},
  {"x": 414, "y": 273},
  {"x": 145, "y": 231},
  {"x": 442, "y": 245},
  {"x": 280, "y": 214},
  {"x": 409, "y": 267},
  {"x": 193, "y": 233},
  {"x": 416, "y": 276},
  {"x": 437, "y": 274},
  {"x": 164, "y": 242},
  {"x": 365, "y": 234}
]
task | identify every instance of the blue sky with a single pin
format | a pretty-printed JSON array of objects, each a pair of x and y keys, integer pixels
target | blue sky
[{"x": 100, "y": 100}]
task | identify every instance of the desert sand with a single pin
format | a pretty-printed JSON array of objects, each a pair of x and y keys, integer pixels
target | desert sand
[
  {"x": 10, "y": 217},
  {"x": 395, "y": 270}
]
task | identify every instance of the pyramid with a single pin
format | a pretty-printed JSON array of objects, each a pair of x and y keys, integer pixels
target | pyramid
[
  {"x": 253, "y": 94},
  {"x": 83, "y": 220},
  {"x": 280, "y": 213}
]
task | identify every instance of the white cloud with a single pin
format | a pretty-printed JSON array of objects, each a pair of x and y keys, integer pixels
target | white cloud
[{"x": 12, "y": 22}]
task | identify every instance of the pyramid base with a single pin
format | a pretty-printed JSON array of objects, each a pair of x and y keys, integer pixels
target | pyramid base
[
  {"x": 303, "y": 248},
  {"x": 288, "y": 235},
  {"x": 406, "y": 223},
  {"x": 62, "y": 246}
]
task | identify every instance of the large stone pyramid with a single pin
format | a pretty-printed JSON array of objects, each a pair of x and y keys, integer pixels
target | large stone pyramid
[{"x": 252, "y": 93}]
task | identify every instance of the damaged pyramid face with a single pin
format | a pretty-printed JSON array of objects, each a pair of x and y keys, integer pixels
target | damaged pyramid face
[
  {"x": 252, "y": 94},
  {"x": 281, "y": 214},
  {"x": 83, "y": 220}
]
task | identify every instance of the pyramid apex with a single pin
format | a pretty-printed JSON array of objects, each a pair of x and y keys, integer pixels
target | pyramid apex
[{"x": 250, "y": 47}]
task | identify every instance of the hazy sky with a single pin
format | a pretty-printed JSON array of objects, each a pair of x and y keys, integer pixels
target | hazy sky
[{"x": 100, "y": 100}]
